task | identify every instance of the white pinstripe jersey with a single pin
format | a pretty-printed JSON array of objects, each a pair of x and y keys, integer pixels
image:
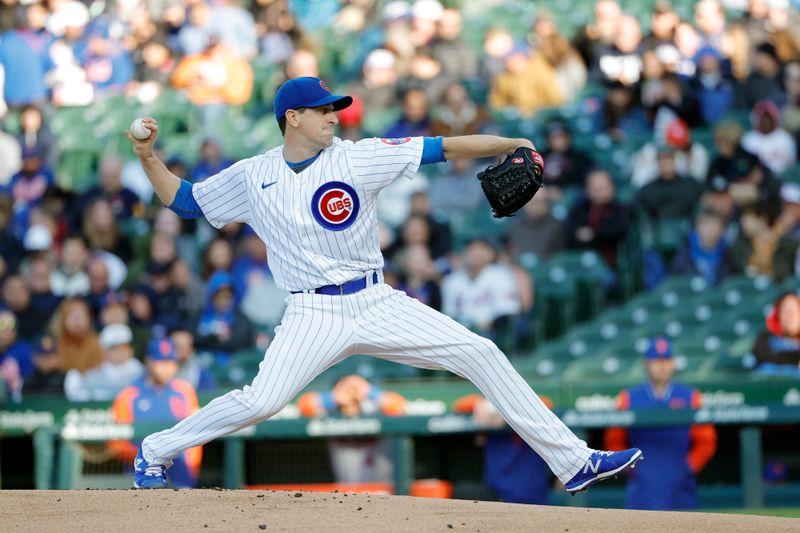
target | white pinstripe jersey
[{"x": 319, "y": 225}]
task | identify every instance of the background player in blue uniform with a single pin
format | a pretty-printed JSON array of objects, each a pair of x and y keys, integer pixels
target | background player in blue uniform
[
  {"x": 676, "y": 454},
  {"x": 160, "y": 397}
]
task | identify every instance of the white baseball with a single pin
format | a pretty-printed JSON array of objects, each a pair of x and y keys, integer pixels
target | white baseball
[{"x": 138, "y": 130}]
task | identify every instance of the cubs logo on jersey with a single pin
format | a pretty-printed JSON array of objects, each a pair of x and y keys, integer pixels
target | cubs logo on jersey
[
  {"x": 335, "y": 206},
  {"x": 395, "y": 141}
]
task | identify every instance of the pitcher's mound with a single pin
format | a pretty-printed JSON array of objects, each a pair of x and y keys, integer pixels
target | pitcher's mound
[{"x": 175, "y": 511}]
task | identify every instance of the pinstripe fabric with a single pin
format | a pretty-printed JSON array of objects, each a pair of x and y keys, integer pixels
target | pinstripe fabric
[
  {"x": 318, "y": 331},
  {"x": 302, "y": 253}
]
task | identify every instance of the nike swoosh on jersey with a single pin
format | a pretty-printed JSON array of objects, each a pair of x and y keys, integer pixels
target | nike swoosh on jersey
[{"x": 265, "y": 185}]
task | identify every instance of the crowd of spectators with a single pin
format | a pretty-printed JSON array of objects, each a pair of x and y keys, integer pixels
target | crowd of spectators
[{"x": 89, "y": 277}]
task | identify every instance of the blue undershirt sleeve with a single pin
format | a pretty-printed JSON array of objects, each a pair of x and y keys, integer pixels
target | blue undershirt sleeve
[
  {"x": 432, "y": 150},
  {"x": 184, "y": 204}
]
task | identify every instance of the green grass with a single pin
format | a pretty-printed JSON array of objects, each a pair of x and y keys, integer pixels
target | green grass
[{"x": 784, "y": 512}]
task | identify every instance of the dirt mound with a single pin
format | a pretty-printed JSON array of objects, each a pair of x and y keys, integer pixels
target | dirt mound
[{"x": 229, "y": 510}]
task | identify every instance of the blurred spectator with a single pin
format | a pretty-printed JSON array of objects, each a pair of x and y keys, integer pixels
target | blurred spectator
[
  {"x": 104, "y": 57},
  {"x": 251, "y": 265},
  {"x": 24, "y": 61},
  {"x": 774, "y": 146},
  {"x": 709, "y": 17},
  {"x": 704, "y": 254},
  {"x": 160, "y": 397},
  {"x": 143, "y": 306},
  {"x": 777, "y": 348},
  {"x": 483, "y": 293},
  {"x": 99, "y": 284},
  {"x": 536, "y": 231},
  {"x": 39, "y": 273},
  {"x": 102, "y": 231},
  {"x": 214, "y": 79},
  {"x": 12, "y": 346},
  {"x": 194, "y": 36},
  {"x": 47, "y": 377},
  {"x": 622, "y": 61},
  {"x": 190, "y": 370},
  {"x": 789, "y": 219},
  {"x": 559, "y": 53},
  {"x": 356, "y": 460},
  {"x": 350, "y": 121},
  {"x": 416, "y": 118},
  {"x": 416, "y": 230},
  {"x": 11, "y": 249},
  {"x": 497, "y": 45},
  {"x": 782, "y": 25},
  {"x": 764, "y": 82},
  {"x": 512, "y": 471},
  {"x": 565, "y": 166},
  {"x": 450, "y": 49},
  {"x": 235, "y": 27},
  {"x": 670, "y": 195},
  {"x": 426, "y": 74},
  {"x": 172, "y": 302},
  {"x": 663, "y": 21},
  {"x": 156, "y": 66},
  {"x": 119, "y": 369},
  {"x": 441, "y": 237},
  {"x": 35, "y": 135},
  {"x": 711, "y": 87},
  {"x": 761, "y": 248},
  {"x": 738, "y": 172},
  {"x": 418, "y": 276},
  {"x": 10, "y": 155},
  {"x": 376, "y": 88},
  {"x": 454, "y": 193},
  {"x": 221, "y": 327},
  {"x": 620, "y": 116},
  {"x": 211, "y": 160},
  {"x": 527, "y": 84},
  {"x": 70, "y": 278},
  {"x": 691, "y": 158},
  {"x": 78, "y": 344},
  {"x": 218, "y": 256},
  {"x": 673, "y": 100},
  {"x": 790, "y": 113},
  {"x": 602, "y": 32},
  {"x": 124, "y": 202},
  {"x": 458, "y": 114},
  {"x": 302, "y": 63},
  {"x": 597, "y": 221},
  {"x": 29, "y": 184},
  {"x": 31, "y": 320},
  {"x": 67, "y": 78},
  {"x": 680, "y": 58},
  {"x": 10, "y": 374},
  {"x": 678, "y": 453},
  {"x": 281, "y": 32}
]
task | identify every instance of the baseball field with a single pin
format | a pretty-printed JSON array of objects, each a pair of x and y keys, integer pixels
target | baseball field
[{"x": 236, "y": 510}]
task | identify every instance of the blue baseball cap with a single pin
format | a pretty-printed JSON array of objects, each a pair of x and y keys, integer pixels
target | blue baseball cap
[
  {"x": 306, "y": 92},
  {"x": 659, "y": 348},
  {"x": 161, "y": 349}
]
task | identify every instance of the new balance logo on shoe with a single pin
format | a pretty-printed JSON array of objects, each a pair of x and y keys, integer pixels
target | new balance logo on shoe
[{"x": 595, "y": 467}]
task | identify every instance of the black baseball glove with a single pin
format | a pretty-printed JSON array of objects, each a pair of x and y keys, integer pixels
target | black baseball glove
[{"x": 512, "y": 183}]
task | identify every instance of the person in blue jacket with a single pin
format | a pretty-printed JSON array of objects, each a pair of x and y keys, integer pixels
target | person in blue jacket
[{"x": 675, "y": 454}]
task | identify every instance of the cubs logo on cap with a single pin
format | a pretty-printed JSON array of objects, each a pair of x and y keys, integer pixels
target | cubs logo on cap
[
  {"x": 335, "y": 206},
  {"x": 396, "y": 140}
]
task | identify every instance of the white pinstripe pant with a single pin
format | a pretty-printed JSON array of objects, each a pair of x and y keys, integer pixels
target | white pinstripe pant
[{"x": 317, "y": 331}]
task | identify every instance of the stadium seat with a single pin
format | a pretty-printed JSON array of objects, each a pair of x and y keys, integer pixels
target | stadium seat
[{"x": 591, "y": 278}]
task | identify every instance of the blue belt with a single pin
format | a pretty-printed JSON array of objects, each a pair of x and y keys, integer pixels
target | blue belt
[{"x": 348, "y": 287}]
